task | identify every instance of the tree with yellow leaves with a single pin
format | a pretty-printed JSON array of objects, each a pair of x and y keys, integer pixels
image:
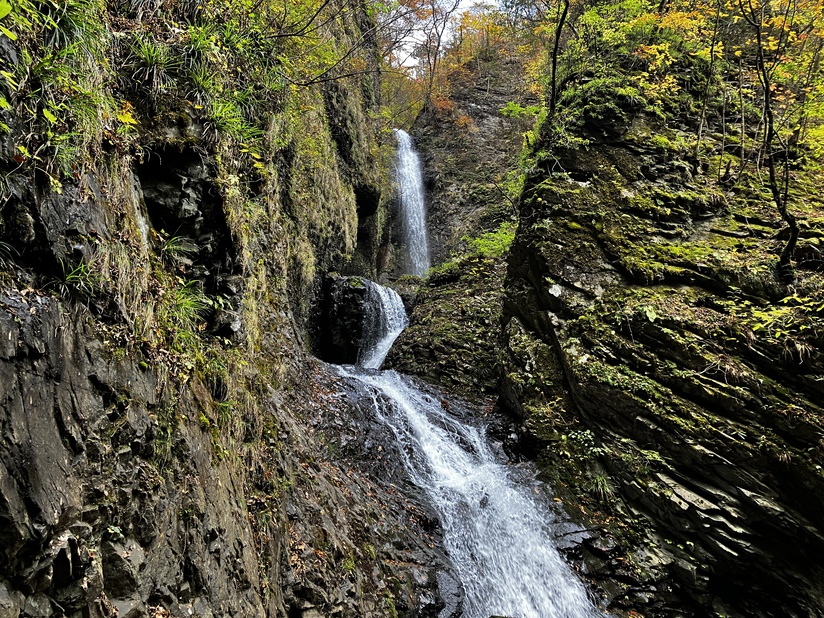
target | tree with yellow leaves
[{"x": 786, "y": 40}]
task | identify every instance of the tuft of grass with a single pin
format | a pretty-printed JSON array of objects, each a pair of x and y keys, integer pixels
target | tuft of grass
[
  {"x": 599, "y": 487},
  {"x": 176, "y": 247},
  {"x": 186, "y": 306},
  {"x": 205, "y": 84},
  {"x": 81, "y": 280},
  {"x": 6, "y": 254},
  {"x": 493, "y": 244},
  {"x": 154, "y": 67},
  {"x": 70, "y": 22}
]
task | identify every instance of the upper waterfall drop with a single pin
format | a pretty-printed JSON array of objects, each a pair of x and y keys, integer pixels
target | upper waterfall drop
[{"x": 413, "y": 209}]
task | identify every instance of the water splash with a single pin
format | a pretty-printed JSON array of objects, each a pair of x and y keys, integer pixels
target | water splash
[
  {"x": 413, "y": 209},
  {"x": 496, "y": 535}
]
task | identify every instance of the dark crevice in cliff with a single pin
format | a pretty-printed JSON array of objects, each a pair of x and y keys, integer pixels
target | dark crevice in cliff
[{"x": 184, "y": 203}]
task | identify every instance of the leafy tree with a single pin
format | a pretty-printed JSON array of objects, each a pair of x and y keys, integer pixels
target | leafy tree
[
  {"x": 786, "y": 42},
  {"x": 437, "y": 17}
]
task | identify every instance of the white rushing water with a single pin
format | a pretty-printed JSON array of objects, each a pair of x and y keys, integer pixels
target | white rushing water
[
  {"x": 384, "y": 319},
  {"x": 495, "y": 532},
  {"x": 413, "y": 209}
]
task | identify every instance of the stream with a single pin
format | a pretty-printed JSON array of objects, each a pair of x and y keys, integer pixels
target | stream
[{"x": 496, "y": 534}]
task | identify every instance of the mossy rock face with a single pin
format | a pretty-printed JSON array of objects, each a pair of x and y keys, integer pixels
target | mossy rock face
[
  {"x": 453, "y": 337},
  {"x": 159, "y": 270},
  {"x": 678, "y": 400},
  {"x": 469, "y": 154}
]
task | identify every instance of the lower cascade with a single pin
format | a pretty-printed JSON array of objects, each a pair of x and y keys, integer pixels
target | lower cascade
[
  {"x": 384, "y": 319},
  {"x": 496, "y": 534}
]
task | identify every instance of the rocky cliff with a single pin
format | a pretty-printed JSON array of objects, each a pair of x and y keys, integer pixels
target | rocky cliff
[
  {"x": 648, "y": 353},
  {"x": 172, "y": 190},
  {"x": 667, "y": 373},
  {"x": 470, "y": 154}
]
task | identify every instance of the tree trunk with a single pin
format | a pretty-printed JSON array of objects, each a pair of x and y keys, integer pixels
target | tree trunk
[{"x": 553, "y": 100}]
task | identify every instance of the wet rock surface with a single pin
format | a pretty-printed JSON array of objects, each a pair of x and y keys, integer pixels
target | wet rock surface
[
  {"x": 101, "y": 517},
  {"x": 379, "y": 513}
]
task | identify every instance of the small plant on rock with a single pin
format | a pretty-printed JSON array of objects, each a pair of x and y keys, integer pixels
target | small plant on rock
[{"x": 154, "y": 67}]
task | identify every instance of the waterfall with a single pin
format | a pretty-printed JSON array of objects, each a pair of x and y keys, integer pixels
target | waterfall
[
  {"x": 413, "y": 209},
  {"x": 496, "y": 533},
  {"x": 383, "y": 320}
]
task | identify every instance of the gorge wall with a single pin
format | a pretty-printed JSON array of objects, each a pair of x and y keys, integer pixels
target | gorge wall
[
  {"x": 174, "y": 191},
  {"x": 470, "y": 154},
  {"x": 633, "y": 300},
  {"x": 171, "y": 195}
]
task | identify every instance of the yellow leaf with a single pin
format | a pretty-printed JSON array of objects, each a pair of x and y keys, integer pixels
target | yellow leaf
[
  {"x": 8, "y": 33},
  {"x": 125, "y": 116}
]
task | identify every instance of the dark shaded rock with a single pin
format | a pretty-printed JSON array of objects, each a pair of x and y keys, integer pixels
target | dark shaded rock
[
  {"x": 69, "y": 218},
  {"x": 341, "y": 322},
  {"x": 65, "y": 490},
  {"x": 122, "y": 560},
  {"x": 50, "y": 228},
  {"x": 184, "y": 203},
  {"x": 229, "y": 325},
  {"x": 37, "y": 606}
]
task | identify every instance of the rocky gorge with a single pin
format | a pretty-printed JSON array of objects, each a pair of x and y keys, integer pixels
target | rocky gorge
[
  {"x": 635, "y": 356},
  {"x": 186, "y": 239}
]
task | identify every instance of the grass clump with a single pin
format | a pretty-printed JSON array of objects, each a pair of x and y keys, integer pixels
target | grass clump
[{"x": 488, "y": 246}]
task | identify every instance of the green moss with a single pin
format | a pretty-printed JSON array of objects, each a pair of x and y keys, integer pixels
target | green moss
[
  {"x": 493, "y": 244},
  {"x": 662, "y": 142}
]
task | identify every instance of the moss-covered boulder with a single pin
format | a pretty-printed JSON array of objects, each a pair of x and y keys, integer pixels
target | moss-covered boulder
[{"x": 454, "y": 335}]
